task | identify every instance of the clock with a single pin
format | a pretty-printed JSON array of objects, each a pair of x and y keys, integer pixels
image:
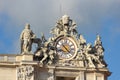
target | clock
[{"x": 66, "y": 48}]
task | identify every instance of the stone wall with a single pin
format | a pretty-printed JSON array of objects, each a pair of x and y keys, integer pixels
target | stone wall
[
  {"x": 41, "y": 73},
  {"x": 7, "y": 73}
]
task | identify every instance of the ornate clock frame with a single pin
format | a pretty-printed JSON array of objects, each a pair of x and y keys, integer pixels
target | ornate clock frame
[{"x": 66, "y": 47}]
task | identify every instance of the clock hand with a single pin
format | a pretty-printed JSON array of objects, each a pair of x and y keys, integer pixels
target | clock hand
[{"x": 66, "y": 48}]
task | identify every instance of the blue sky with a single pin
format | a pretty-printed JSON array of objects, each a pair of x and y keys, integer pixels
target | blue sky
[{"x": 91, "y": 16}]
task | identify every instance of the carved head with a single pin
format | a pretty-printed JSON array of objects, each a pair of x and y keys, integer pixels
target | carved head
[
  {"x": 27, "y": 26},
  {"x": 65, "y": 19}
]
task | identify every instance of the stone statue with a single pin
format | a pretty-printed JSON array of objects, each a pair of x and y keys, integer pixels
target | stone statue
[
  {"x": 51, "y": 52},
  {"x": 69, "y": 25},
  {"x": 92, "y": 59},
  {"x": 45, "y": 51},
  {"x": 81, "y": 42},
  {"x": 26, "y": 38},
  {"x": 45, "y": 54},
  {"x": 81, "y": 49},
  {"x": 88, "y": 56},
  {"x": 64, "y": 26},
  {"x": 99, "y": 50},
  {"x": 42, "y": 53},
  {"x": 98, "y": 46}
]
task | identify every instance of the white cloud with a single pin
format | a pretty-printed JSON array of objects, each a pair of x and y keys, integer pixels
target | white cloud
[{"x": 42, "y": 14}]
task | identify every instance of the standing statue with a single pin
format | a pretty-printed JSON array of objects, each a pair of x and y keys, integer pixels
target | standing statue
[
  {"x": 98, "y": 41},
  {"x": 98, "y": 45},
  {"x": 26, "y": 38},
  {"x": 99, "y": 50}
]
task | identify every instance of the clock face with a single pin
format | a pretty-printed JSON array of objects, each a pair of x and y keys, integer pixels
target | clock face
[{"x": 66, "y": 48}]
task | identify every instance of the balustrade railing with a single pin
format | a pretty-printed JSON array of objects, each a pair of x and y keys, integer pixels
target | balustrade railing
[{"x": 8, "y": 57}]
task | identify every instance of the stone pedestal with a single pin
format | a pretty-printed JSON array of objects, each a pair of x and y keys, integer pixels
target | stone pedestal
[{"x": 27, "y": 57}]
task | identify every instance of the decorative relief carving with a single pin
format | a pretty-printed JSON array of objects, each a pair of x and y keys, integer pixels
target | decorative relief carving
[
  {"x": 51, "y": 74},
  {"x": 24, "y": 72},
  {"x": 86, "y": 54}
]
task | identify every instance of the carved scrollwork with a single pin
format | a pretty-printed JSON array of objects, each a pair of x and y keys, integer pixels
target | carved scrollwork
[{"x": 24, "y": 72}]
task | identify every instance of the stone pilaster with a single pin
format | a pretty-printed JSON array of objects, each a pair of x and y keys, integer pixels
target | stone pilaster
[
  {"x": 51, "y": 74},
  {"x": 27, "y": 57},
  {"x": 81, "y": 76}
]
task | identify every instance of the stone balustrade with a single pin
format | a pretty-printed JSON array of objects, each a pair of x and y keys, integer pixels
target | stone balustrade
[
  {"x": 15, "y": 57},
  {"x": 8, "y": 57}
]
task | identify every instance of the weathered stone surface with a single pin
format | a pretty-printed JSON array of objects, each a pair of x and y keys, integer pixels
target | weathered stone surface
[{"x": 64, "y": 56}]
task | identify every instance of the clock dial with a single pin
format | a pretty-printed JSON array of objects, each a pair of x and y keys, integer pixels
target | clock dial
[{"x": 66, "y": 48}]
